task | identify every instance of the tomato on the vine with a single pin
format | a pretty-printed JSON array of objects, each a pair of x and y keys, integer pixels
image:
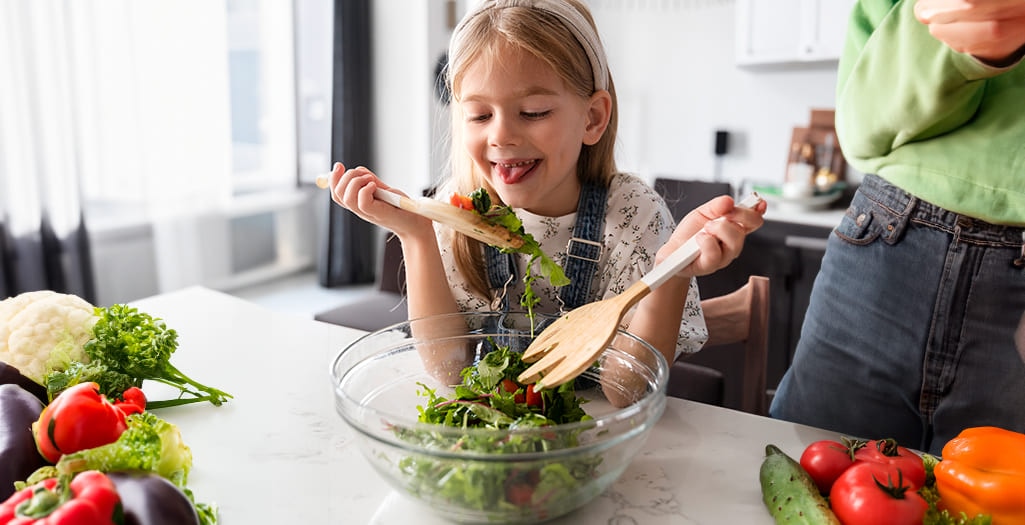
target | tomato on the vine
[
  {"x": 887, "y": 451},
  {"x": 825, "y": 460},
  {"x": 873, "y": 493}
]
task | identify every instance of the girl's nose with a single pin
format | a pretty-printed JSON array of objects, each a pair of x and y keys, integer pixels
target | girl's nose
[{"x": 503, "y": 131}]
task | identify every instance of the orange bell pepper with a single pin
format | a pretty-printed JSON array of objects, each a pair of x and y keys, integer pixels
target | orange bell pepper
[{"x": 983, "y": 472}]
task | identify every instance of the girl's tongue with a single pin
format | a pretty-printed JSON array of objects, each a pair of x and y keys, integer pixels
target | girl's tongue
[{"x": 511, "y": 173}]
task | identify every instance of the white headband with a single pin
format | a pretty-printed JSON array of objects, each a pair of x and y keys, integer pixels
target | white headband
[{"x": 570, "y": 17}]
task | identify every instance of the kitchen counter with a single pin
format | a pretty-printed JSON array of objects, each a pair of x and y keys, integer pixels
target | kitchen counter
[
  {"x": 278, "y": 452},
  {"x": 829, "y": 218}
]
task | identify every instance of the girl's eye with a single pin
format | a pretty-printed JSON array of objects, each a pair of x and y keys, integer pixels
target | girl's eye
[
  {"x": 535, "y": 114},
  {"x": 478, "y": 118}
]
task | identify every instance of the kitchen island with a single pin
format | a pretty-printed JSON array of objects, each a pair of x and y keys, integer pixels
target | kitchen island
[{"x": 279, "y": 453}]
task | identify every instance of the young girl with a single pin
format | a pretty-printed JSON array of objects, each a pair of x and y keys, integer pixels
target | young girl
[{"x": 534, "y": 122}]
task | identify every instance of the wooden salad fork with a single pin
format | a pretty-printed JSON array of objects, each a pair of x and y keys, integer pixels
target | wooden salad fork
[
  {"x": 463, "y": 221},
  {"x": 574, "y": 341}
]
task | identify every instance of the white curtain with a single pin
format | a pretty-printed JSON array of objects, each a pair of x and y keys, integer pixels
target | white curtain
[
  {"x": 110, "y": 106},
  {"x": 40, "y": 161}
]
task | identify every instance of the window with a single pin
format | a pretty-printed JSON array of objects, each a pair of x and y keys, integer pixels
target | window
[
  {"x": 280, "y": 63},
  {"x": 261, "y": 72},
  {"x": 169, "y": 124}
]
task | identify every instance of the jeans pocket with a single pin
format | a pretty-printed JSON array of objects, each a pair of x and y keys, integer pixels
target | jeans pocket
[{"x": 867, "y": 220}]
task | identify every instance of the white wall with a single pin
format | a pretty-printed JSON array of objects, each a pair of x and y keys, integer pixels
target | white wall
[
  {"x": 672, "y": 61},
  {"x": 673, "y": 65},
  {"x": 403, "y": 67}
]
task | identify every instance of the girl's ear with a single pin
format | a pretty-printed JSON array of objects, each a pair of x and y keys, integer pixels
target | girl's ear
[{"x": 599, "y": 111}]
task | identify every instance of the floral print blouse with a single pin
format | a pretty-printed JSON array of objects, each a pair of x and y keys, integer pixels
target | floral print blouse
[{"x": 638, "y": 223}]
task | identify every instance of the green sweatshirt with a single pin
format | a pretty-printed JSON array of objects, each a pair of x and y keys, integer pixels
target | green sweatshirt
[{"x": 936, "y": 123}]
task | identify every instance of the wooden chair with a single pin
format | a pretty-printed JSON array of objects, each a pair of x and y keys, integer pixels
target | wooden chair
[{"x": 740, "y": 317}]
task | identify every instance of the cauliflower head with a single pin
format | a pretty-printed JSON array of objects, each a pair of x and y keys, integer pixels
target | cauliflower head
[{"x": 44, "y": 331}]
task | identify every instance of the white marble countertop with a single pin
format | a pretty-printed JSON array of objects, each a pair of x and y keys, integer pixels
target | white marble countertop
[{"x": 278, "y": 452}]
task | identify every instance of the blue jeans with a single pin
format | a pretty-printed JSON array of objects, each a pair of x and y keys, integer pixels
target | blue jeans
[{"x": 909, "y": 333}]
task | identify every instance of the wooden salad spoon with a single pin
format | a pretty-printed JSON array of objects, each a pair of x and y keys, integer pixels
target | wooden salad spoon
[
  {"x": 574, "y": 341},
  {"x": 464, "y": 221}
]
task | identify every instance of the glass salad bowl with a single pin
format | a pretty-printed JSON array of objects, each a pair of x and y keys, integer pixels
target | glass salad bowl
[{"x": 521, "y": 473}]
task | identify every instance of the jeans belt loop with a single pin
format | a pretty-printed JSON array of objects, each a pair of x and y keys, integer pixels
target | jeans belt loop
[{"x": 1020, "y": 261}]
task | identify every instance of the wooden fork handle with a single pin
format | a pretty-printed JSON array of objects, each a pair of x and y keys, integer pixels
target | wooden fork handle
[
  {"x": 669, "y": 267},
  {"x": 685, "y": 254}
]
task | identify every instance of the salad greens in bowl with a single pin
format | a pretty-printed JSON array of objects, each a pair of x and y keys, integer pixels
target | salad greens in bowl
[{"x": 438, "y": 412}]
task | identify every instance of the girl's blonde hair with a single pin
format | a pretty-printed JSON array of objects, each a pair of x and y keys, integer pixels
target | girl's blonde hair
[{"x": 548, "y": 30}]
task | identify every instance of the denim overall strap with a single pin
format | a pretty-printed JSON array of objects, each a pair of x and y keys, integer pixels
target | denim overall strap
[
  {"x": 582, "y": 253},
  {"x": 585, "y": 247}
]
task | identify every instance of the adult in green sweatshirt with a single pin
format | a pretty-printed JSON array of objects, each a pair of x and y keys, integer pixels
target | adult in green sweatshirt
[{"x": 910, "y": 329}]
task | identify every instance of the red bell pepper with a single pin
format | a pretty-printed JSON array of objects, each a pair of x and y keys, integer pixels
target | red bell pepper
[
  {"x": 89, "y": 499},
  {"x": 77, "y": 419},
  {"x": 133, "y": 401}
]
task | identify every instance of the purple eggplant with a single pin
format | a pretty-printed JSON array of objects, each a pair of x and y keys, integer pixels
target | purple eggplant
[
  {"x": 18, "y": 454},
  {"x": 149, "y": 499},
  {"x": 11, "y": 375}
]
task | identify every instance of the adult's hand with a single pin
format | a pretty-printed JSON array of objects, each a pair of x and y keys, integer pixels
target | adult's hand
[{"x": 991, "y": 30}]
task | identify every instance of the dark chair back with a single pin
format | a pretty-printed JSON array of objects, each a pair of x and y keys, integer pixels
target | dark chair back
[
  {"x": 392, "y": 277},
  {"x": 682, "y": 196}
]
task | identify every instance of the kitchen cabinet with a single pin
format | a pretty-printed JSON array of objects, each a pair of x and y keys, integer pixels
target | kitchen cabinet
[
  {"x": 790, "y": 31},
  {"x": 790, "y": 255}
]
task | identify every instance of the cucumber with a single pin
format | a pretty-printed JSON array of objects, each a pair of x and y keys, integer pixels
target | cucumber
[{"x": 789, "y": 493}]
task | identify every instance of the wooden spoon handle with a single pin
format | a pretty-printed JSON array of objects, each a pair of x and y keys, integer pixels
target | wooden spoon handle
[
  {"x": 464, "y": 221},
  {"x": 394, "y": 199},
  {"x": 323, "y": 181}
]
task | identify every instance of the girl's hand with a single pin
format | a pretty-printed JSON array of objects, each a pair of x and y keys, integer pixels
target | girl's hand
[
  {"x": 354, "y": 188},
  {"x": 992, "y": 31},
  {"x": 720, "y": 227}
]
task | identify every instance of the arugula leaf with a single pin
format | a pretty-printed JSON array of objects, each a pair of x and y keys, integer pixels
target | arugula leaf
[{"x": 481, "y": 200}]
